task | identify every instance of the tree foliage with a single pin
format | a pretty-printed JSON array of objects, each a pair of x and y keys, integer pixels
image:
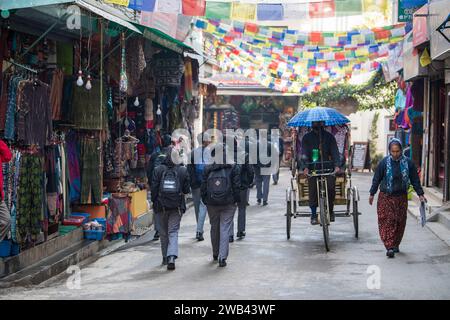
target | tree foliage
[{"x": 373, "y": 95}]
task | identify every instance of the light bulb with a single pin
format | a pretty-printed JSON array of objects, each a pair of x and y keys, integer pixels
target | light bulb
[
  {"x": 88, "y": 83},
  {"x": 136, "y": 102},
  {"x": 158, "y": 112},
  {"x": 80, "y": 78}
]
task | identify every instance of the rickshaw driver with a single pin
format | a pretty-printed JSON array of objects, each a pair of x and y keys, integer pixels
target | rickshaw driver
[{"x": 331, "y": 159}]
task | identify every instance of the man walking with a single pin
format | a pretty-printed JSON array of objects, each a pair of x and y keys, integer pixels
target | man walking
[
  {"x": 156, "y": 159},
  {"x": 247, "y": 177},
  {"x": 5, "y": 217},
  {"x": 262, "y": 179},
  {"x": 198, "y": 162},
  {"x": 220, "y": 191},
  {"x": 170, "y": 184}
]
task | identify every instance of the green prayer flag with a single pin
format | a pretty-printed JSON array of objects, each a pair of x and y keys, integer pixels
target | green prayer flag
[
  {"x": 218, "y": 10},
  {"x": 348, "y": 7}
]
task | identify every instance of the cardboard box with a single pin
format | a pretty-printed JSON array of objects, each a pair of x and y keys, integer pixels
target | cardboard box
[
  {"x": 139, "y": 205},
  {"x": 96, "y": 211}
]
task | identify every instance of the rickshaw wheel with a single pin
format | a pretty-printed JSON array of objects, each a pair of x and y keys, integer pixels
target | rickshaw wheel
[
  {"x": 288, "y": 220},
  {"x": 324, "y": 223},
  {"x": 355, "y": 217}
]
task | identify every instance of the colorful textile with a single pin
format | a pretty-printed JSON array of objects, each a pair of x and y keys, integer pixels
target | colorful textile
[
  {"x": 91, "y": 190},
  {"x": 120, "y": 218},
  {"x": 392, "y": 211},
  {"x": 30, "y": 211},
  {"x": 404, "y": 168}
]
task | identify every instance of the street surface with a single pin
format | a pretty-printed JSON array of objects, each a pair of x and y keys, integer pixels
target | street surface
[{"x": 265, "y": 265}]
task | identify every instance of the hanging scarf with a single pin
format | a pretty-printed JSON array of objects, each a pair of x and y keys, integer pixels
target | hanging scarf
[{"x": 404, "y": 168}]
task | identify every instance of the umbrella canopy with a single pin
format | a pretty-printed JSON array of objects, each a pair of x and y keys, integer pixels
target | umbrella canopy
[{"x": 329, "y": 115}]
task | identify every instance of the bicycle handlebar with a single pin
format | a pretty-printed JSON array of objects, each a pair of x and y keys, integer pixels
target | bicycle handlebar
[{"x": 333, "y": 173}]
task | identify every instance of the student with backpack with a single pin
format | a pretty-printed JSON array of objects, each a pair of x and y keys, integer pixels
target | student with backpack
[
  {"x": 170, "y": 184},
  {"x": 198, "y": 162},
  {"x": 156, "y": 159},
  {"x": 220, "y": 191}
]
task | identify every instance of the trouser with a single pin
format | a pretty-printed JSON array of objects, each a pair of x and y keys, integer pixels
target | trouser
[
  {"x": 90, "y": 173},
  {"x": 262, "y": 187},
  {"x": 242, "y": 212},
  {"x": 5, "y": 220},
  {"x": 200, "y": 209},
  {"x": 157, "y": 221},
  {"x": 221, "y": 218},
  {"x": 170, "y": 225},
  {"x": 312, "y": 187}
]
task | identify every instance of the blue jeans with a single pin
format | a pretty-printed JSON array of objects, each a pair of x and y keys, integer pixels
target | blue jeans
[
  {"x": 262, "y": 187},
  {"x": 200, "y": 209}
]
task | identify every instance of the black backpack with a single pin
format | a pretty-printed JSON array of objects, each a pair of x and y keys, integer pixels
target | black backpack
[
  {"x": 219, "y": 191},
  {"x": 169, "y": 195}
]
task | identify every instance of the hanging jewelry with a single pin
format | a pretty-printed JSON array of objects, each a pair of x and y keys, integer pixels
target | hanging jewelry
[{"x": 123, "y": 73}]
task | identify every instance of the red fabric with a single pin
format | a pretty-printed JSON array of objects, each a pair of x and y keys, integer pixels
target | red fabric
[
  {"x": 323, "y": 9},
  {"x": 194, "y": 7},
  {"x": 5, "y": 156},
  {"x": 392, "y": 211}
]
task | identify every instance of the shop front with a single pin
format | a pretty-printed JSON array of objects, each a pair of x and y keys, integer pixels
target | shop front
[{"x": 82, "y": 110}]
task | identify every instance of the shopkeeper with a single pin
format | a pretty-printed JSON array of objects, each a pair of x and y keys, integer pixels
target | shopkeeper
[{"x": 5, "y": 217}]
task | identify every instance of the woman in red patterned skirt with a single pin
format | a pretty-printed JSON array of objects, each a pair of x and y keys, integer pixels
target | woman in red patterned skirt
[{"x": 393, "y": 175}]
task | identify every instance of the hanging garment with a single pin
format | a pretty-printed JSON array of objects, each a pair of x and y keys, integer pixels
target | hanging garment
[
  {"x": 135, "y": 63},
  {"x": 34, "y": 122},
  {"x": 168, "y": 69},
  {"x": 87, "y": 110},
  {"x": 56, "y": 93},
  {"x": 73, "y": 163},
  {"x": 90, "y": 171},
  {"x": 120, "y": 219},
  {"x": 4, "y": 99},
  {"x": 30, "y": 200},
  {"x": 11, "y": 107}
]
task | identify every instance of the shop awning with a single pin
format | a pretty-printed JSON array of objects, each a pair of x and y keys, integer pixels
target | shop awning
[
  {"x": 102, "y": 10},
  {"x": 21, "y": 4},
  {"x": 165, "y": 40}
]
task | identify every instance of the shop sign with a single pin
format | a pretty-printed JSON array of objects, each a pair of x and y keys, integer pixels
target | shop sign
[
  {"x": 420, "y": 30},
  {"x": 439, "y": 46},
  {"x": 406, "y": 9}
]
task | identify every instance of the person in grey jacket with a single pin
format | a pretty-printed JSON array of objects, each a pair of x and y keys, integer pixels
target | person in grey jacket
[
  {"x": 221, "y": 203},
  {"x": 170, "y": 211}
]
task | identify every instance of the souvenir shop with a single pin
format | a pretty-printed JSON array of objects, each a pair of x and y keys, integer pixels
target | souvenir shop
[{"x": 82, "y": 113}]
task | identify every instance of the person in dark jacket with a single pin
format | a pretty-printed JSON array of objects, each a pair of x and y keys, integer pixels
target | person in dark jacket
[
  {"x": 156, "y": 159},
  {"x": 247, "y": 177},
  {"x": 329, "y": 153},
  {"x": 262, "y": 180},
  {"x": 393, "y": 176},
  {"x": 199, "y": 159},
  {"x": 221, "y": 214},
  {"x": 169, "y": 217},
  {"x": 5, "y": 217}
]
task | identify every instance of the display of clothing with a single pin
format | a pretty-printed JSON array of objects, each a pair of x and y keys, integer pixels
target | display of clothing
[
  {"x": 91, "y": 188},
  {"x": 30, "y": 213},
  {"x": 168, "y": 68},
  {"x": 120, "y": 218},
  {"x": 87, "y": 111},
  {"x": 56, "y": 93}
]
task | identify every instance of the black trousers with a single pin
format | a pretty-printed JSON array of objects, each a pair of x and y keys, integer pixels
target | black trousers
[{"x": 312, "y": 187}]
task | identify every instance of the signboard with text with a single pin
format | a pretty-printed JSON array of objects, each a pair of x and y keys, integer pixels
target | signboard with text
[{"x": 406, "y": 9}]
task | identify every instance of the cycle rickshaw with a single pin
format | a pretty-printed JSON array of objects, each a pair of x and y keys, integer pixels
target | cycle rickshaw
[{"x": 297, "y": 194}]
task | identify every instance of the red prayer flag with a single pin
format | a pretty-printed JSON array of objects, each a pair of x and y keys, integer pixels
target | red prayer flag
[
  {"x": 325, "y": 9},
  {"x": 251, "y": 27},
  {"x": 194, "y": 7},
  {"x": 316, "y": 37}
]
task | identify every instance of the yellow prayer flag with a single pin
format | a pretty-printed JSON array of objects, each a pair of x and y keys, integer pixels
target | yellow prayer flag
[
  {"x": 124, "y": 3},
  {"x": 243, "y": 11},
  {"x": 425, "y": 58}
]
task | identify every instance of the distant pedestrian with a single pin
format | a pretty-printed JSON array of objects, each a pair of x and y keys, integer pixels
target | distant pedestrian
[
  {"x": 279, "y": 147},
  {"x": 393, "y": 175},
  {"x": 247, "y": 177},
  {"x": 156, "y": 159},
  {"x": 170, "y": 184},
  {"x": 199, "y": 160},
  {"x": 220, "y": 190},
  {"x": 262, "y": 179}
]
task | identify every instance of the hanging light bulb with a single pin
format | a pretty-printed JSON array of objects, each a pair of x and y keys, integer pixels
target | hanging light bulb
[
  {"x": 136, "y": 102},
  {"x": 88, "y": 83},
  {"x": 80, "y": 78},
  {"x": 158, "y": 112}
]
